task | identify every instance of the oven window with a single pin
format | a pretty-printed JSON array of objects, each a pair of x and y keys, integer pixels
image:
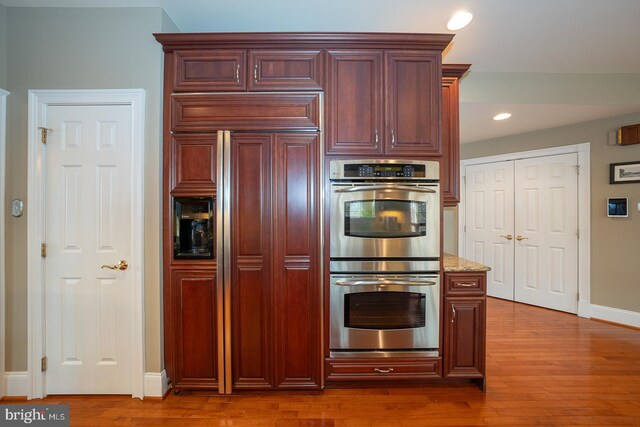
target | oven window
[
  {"x": 384, "y": 310},
  {"x": 385, "y": 218}
]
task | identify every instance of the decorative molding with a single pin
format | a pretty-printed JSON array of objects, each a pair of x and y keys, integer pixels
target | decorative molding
[
  {"x": 39, "y": 100},
  {"x": 584, "y": 208},
  {"x": 156, "y": 384},
  {"x": 3, "y": 184},
  {"x": 455, "y": 70},
  {"x": 615, "y": 315},
  {"x": 16, "y": 383}
]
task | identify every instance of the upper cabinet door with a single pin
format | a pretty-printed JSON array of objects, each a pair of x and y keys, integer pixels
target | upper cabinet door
[
  {"x": 210, "y": 70},
  {"x": 354, "y": 103},
  {"x": 285, "y": 70},
  {"x": 413, "y": 103}
]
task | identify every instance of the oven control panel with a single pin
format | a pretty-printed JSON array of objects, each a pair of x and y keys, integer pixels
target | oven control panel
[{"x": 384, "y": 169}]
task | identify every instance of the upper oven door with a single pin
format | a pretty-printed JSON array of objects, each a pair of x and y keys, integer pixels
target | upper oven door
[{"x": 385, "y": 220}]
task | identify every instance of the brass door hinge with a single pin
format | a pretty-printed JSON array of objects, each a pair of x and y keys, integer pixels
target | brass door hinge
[
  {"x": 43, "y": 250},
  {"x": 43, "y": 136},
  {"x": 43, "y": 364}
]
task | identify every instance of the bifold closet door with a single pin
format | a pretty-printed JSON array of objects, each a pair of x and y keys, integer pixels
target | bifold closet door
[
  {"x": 489, "y": 223},
  {"x": 546, "y": 225}
]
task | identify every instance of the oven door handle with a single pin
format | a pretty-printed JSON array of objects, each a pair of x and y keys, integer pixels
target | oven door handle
[
  {"x": 377, "y": 282},
  {"x": 383, "y": 187}
]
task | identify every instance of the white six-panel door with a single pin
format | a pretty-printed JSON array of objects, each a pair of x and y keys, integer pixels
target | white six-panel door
[
  {"x": 546, "y": 225},
  {"x": 489, "y": 223},
  {"x": 88, "y": 224}
]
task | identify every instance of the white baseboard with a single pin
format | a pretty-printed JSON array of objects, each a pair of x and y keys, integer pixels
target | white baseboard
[
  {"x": 155, "y": 384},
  {"x": 16, "y": 383},
  {"x": 616, "y": 315}
]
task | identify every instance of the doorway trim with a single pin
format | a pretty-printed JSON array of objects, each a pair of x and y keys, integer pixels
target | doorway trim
[
  {"x": 3, "y": 184},
  {"x": 39, "y": 100},
  {"x": 584, "y": 209}
]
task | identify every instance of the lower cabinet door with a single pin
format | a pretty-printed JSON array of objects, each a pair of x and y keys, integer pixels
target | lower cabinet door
[
  {"x": 193, "y": 323},
  {"x": 464, "y": 338}
]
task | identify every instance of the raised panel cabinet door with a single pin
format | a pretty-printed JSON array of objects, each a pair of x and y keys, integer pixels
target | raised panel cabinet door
[
  {"x": 193, "y": 319},
  {"x": 354, "y": 103},
  {"x": 413, "y": 91},
  {"x": 450, "y": 172},
  {"x": 285, "y": 70},
  {"x": 210, "y": 70},
  {"x": 464, "y": 337},
  {"x": 193, "y": 163},
  {"x": 251, "y": 285},
  {"x": 296, "y": 261}
]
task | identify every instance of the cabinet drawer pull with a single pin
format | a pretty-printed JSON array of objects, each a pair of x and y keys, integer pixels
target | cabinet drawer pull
[
  {"x": 466, "y": 285},
  {"x": 377, "y": 137},
  {"x": 255, "y": 73},
  {"x": 453, "y": 317},
  {"x": 383, "y": 371},
  {"x": 238, "y": 73},
  {"x": 393, "y": 137}
]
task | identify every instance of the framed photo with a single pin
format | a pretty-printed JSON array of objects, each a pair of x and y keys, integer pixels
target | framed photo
[{"x": 623, "y": 173}]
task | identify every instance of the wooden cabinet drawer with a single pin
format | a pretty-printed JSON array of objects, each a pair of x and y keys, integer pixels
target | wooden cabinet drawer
[
  {"x": 465, "y": 284},
  {"x": 381, "y": 370},
  {"x": 285, "y": 70},
  {"x": 206, "y": 70}
]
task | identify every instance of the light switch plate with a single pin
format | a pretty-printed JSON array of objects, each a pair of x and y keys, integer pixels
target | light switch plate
[{"x": 17, "y": 207}]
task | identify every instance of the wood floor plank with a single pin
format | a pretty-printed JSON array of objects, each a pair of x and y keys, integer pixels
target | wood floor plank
[{"x": 543, "y": 368}]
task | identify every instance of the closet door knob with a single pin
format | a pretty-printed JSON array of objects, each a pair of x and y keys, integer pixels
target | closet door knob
[
  {"x": 519, "y": 238},
  {"x": 508, "y": 236}
]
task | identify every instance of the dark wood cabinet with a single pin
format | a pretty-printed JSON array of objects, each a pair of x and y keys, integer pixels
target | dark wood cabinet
[
  {"x": 367, "y": 369},
  {"x": 207, "y": 70},
  {"x": 355, "y": 103},
  {"x": 412, "y": 111},
  {"x": 383, "y": 103},
  {"x": 285, "y": 70},
  {"x": 193, "y": 164},
  {"x": 465, "y": 326},
  {"x": 275, "y": 292},
  {"x": 450, "y": 170},
  {"x": 192, "y": 338},
  {"x": 381, "y": 98}
]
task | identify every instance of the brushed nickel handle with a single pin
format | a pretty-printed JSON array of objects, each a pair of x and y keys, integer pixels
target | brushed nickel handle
[
  {"x": 383, "y": 187},
  {"x": 393, "y": 137},
  {"x": 122, "y": 265},
  {"x": 519, "y": 238},
  {"x": 238, "y": 73},
  {"x": 453, "y": 311},
  {"x": 377, "y": 137},
  {"x": 383, "y": 371},
  {"x": 508, "y": 236},
  {"x": 255, "y": 73},
  {"x": 466, "y": 285}
]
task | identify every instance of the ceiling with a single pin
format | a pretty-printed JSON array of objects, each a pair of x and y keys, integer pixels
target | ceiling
[{"x": 520, "y": 41}]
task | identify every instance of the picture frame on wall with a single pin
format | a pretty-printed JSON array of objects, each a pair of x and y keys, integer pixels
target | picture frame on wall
[{"x": 624, "y": 173}]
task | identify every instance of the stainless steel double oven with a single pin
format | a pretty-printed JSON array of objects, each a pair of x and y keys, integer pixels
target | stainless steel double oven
[{"x": 384, "y": 257}]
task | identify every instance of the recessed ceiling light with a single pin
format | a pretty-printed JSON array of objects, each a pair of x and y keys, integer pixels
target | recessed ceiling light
[
  {"x": 460, "y": 20},
  {"x": 502, "y": 116}
]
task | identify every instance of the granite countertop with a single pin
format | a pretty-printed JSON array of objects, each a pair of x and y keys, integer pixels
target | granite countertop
[{"x": 454, "y": 264}]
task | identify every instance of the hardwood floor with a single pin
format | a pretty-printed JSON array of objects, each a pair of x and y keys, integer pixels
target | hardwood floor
[{"x": 543, "y": 368}]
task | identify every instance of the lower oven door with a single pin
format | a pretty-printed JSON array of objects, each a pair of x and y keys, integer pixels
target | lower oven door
[{"x": 385, "y": 313}]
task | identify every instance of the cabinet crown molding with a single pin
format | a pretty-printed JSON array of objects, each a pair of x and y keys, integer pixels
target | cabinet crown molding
[
  {"x": 173, "y": 41},
  {"x": 455, "y": 70}
]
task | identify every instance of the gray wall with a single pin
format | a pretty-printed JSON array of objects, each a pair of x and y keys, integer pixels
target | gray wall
[
  {"x": 615, "y": 243},
  {"x": 83, "y": 48},
  {"x": 3, "y": 47}
]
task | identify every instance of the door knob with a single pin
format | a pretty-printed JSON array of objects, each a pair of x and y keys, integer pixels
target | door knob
[
  {"x": 122, "y": 265},
  {"x": 508, "y": 236},
  {"x": 518, "y": 238}
]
